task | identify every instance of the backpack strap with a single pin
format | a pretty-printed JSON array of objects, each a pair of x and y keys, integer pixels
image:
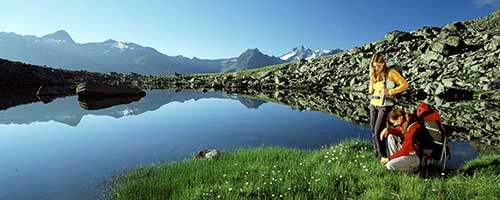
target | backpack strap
[
  {"x": 389, "y": 69},
  {"x": 388, "y": 99}
]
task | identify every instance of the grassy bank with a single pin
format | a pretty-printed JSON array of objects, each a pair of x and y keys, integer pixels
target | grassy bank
[{"x": 344, "y": 171}]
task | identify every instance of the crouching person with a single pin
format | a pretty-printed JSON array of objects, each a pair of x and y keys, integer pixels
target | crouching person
[{"x": 402, "y": 151}]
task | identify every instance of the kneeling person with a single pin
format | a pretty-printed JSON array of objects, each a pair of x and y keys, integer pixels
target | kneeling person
[{"x": 403, "y": 156}]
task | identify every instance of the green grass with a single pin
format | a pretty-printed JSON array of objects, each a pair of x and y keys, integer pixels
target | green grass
[
  {"x": 344, "y": 171},
  {"x": 484, "y": 163}
]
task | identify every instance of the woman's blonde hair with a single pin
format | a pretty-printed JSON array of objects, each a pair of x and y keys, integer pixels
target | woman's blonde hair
[{"x": 374, "y": 74}]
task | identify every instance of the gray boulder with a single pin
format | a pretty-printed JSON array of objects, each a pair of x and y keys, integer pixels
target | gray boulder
[
  {"x": 454, "y": 27},
  {"x": 398, "y": 36},
  {"x": 102, "y": 90}
]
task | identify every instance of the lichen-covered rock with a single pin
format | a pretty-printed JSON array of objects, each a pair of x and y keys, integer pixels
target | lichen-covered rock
[
  {"x": 398, "y": 36},
  {"x": 493, "y": 44},
  {"x": 454, "y": 27}
]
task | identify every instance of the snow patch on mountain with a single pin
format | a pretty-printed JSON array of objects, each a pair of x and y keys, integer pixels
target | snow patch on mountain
[
  {"x": 121, "y": 45},
  {"x": 289, "y": 55},
  {"x": 306, "y": 53}
]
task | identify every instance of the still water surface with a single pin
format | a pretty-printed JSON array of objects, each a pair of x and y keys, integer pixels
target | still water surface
[{"x": 61, "y": 151}]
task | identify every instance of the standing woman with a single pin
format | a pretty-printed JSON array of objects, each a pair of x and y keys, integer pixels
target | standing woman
[{"x": 384, "y": 84}]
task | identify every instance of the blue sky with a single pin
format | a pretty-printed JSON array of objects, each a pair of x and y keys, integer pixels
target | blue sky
[{"x": 225, "y": 28}]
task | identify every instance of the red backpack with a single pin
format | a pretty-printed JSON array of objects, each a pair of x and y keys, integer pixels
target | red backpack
[{"x": 432, "y": 143}]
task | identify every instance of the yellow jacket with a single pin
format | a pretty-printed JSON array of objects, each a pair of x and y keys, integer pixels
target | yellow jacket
[{"x": 378, "y": 87}]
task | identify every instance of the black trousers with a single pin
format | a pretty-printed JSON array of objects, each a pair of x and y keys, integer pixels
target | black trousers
[{"x": 378, "y": 119}]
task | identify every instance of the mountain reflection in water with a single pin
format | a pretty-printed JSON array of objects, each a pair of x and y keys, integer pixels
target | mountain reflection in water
[{"x": 68, "y": 110}]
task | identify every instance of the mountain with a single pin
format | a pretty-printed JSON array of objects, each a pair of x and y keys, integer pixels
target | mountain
[
  {"x": 306, "y": 53},
  {"x": 60, "y": 50},
  {"x": 60, "y": 36},
  {"x": 250, "y": 59}
]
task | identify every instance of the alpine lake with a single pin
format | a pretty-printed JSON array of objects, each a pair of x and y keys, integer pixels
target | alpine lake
[{"x": 63, "y": 148}]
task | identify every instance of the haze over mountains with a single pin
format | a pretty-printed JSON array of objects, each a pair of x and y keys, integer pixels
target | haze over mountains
[{"x": 59, "y": 50}]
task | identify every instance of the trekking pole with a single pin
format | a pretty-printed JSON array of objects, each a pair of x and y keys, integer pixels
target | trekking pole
[{"x": 443, "y": 154}]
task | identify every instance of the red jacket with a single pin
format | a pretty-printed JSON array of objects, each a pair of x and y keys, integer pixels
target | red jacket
[{"x": 407, "y": 147}]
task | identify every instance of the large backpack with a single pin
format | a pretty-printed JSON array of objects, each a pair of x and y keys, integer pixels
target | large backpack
[{"x": 432, "y": 142}]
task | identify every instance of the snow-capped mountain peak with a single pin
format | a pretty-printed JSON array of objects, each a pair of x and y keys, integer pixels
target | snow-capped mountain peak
[{"x": 302, "y": 52}]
